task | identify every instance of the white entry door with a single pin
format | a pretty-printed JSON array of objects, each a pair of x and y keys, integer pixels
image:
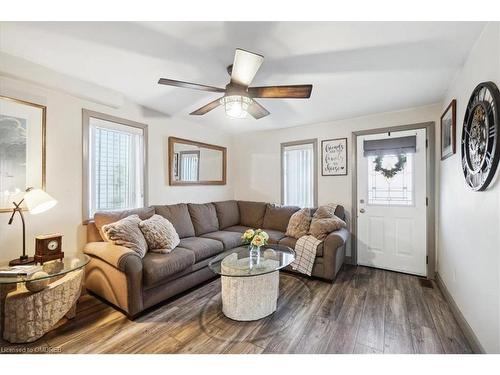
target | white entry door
[{"x": 392, "y": 209}]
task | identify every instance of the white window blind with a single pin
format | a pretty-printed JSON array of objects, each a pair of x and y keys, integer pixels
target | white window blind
[
  {"x": 298, "y": 161},
  {"x": 116, "y": 166}
]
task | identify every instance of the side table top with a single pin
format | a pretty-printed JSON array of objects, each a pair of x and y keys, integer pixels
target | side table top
[{"x": 51, "y": 269}]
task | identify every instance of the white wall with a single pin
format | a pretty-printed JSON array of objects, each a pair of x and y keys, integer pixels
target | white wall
[
  {"x": 256, "y": 165},
  {"x": 468, "y": 221},
  {"x": 64, "y": 164}
]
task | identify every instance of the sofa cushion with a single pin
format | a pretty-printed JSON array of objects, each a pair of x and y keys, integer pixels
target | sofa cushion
[
  {"x": 277, "y": 217},
  {"x": 228, "y": 213},
  {"x": 237, "y": 228},
  {"x": 126, "y": 232},
  {"x": 230, "y": 240},
  {"x": 299, "y": 223},
  {"x": 274, "y": 235},
  {"x": 157, "y": 267},
  {"x": 178, "y": 215},
  {"x": 159, "y": 233},
  {"x": 108, "y": 217},
  {"x": 202, "y": 247},
  {"x": 340, "y": 212},
  {"x": 252, "y": 213},
  {"x": 204, "y": 218},
  {"x": 290, "y": 242}
]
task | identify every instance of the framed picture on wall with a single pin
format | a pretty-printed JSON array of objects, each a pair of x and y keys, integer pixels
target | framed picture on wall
[
  {"x": 334, "y": 157},
  {"x": 448, "y": 130},
  {"x": 22, "y": 148}
]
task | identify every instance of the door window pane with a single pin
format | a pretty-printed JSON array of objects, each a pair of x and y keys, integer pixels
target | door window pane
[{"x": 395, "y": 191}]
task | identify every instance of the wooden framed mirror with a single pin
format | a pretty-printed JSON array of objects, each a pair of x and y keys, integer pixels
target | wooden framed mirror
[{"x": 196, "y": 163}]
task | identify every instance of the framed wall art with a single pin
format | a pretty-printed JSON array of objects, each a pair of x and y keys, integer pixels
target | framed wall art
[
  {"x": 448, "y": 130},
  {"x": 334, "y": 157},
  {"x": 22, "y": 148}
]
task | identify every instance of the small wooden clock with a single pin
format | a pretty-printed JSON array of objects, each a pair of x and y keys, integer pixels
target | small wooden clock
[{"x": 48, "y": 247}]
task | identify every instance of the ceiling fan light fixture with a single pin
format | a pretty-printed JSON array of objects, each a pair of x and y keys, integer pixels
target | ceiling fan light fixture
[{"x": 236, "y": 106}]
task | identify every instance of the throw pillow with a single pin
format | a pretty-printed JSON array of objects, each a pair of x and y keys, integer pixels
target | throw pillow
[
  {"x": 160, "y": 234},
  {"x": 126, "y": 232},
  {"x": 326, "y": 211},
  {"x": 321, "y": 228},
  {"x": 298, "y": 225}
]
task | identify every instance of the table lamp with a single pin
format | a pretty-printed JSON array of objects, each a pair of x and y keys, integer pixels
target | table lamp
[{"x": 37, "y": 201}]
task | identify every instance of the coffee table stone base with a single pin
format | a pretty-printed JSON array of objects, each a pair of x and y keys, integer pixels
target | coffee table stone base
[{"x": 250, "y": 298}]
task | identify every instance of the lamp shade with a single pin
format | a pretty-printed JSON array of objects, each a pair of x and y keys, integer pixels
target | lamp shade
[{"x": 38, "y": 201}]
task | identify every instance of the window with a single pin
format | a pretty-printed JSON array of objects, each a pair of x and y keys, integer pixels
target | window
[
  {"x": 299, "y": 173},
  {"x": 396, "y": 191},
  {"x": 190, "y": 166},
  {"x": 114, "y": 163}
]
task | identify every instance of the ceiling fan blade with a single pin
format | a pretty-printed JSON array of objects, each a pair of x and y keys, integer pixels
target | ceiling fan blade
[
  {"x": 207, "y": 108},
  {"x": 189, "y": 85},
  {"x": 284, "y": 92},
  {"x": 257, "y": 111},
  {"x": 245, "y": 66}
]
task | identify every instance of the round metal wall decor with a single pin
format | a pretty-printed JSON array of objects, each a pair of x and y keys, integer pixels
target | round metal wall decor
[{"x": 480, "y": 145}]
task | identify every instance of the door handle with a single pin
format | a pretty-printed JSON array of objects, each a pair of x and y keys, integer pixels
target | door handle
[{"x": 362, "y": 210}]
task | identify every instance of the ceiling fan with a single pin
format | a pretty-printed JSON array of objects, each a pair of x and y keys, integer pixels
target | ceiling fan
[{"x": 239, "y": 98}]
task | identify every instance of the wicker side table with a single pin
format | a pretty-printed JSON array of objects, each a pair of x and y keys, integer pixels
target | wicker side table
[{"x": 27, "y": 316}]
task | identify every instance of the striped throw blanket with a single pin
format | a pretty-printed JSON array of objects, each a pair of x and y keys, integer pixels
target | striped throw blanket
[{"x": 305, "y": 254}]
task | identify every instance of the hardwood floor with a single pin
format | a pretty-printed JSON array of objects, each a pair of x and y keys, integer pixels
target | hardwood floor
[{"x": 365, "y": 311}]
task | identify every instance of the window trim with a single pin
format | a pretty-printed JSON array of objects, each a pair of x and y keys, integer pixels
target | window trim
[
  {"x": 314, "y": 142},
  {"x": 86, "y": 115}
]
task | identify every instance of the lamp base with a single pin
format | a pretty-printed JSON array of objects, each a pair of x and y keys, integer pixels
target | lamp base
[{"x": 21, "y": 261}]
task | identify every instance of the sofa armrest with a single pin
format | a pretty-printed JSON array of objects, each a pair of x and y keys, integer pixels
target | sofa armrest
[
  {"x": 334, "y": 253},
  {"x": 337, "y": 238},
  {"x": 115, "y": 273},
  {"x": 117, "y": 256}
]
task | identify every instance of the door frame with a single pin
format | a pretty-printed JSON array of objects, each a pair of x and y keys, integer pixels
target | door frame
[{"x": 430, "y": 189}]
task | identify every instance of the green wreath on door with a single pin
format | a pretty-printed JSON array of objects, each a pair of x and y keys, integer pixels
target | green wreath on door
[{"x": 391, "y": 172}]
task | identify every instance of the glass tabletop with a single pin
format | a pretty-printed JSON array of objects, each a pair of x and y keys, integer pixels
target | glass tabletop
[
  {"x": 47, "y": 270},
  {"x": 239, "y": 263}
]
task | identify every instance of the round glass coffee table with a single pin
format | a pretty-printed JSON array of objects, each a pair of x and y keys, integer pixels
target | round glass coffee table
[
  {"x": 250, "y": 283},
  {"x": 56, "y": 287}
]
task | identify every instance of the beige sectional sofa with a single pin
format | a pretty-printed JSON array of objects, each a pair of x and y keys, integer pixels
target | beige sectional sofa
[{"x": 132, "y": 284}]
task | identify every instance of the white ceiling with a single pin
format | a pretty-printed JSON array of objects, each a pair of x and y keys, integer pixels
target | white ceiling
[{"x": 356, "y": 68}]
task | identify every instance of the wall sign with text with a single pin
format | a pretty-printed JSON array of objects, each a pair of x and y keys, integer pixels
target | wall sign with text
[{"x": 334, "y": 157}]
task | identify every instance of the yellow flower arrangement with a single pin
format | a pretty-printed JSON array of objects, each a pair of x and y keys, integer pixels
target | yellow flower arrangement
[{"x": 256, "y": 238}]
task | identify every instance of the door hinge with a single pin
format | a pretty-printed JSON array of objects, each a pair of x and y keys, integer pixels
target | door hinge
[
  {"x": 426, "y": 143},
  {"x": 427, "y": 259},
  {"x": 426, "y": 201}
]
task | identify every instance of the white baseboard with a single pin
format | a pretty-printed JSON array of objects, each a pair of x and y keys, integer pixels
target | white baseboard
[{"x": 466, "y": 328}]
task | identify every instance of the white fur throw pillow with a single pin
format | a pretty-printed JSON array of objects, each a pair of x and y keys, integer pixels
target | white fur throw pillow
[
  {"x": 126, "y": 232},
  {"x": 160, "y": 234},
  {"x": 298, "y": 225}
]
